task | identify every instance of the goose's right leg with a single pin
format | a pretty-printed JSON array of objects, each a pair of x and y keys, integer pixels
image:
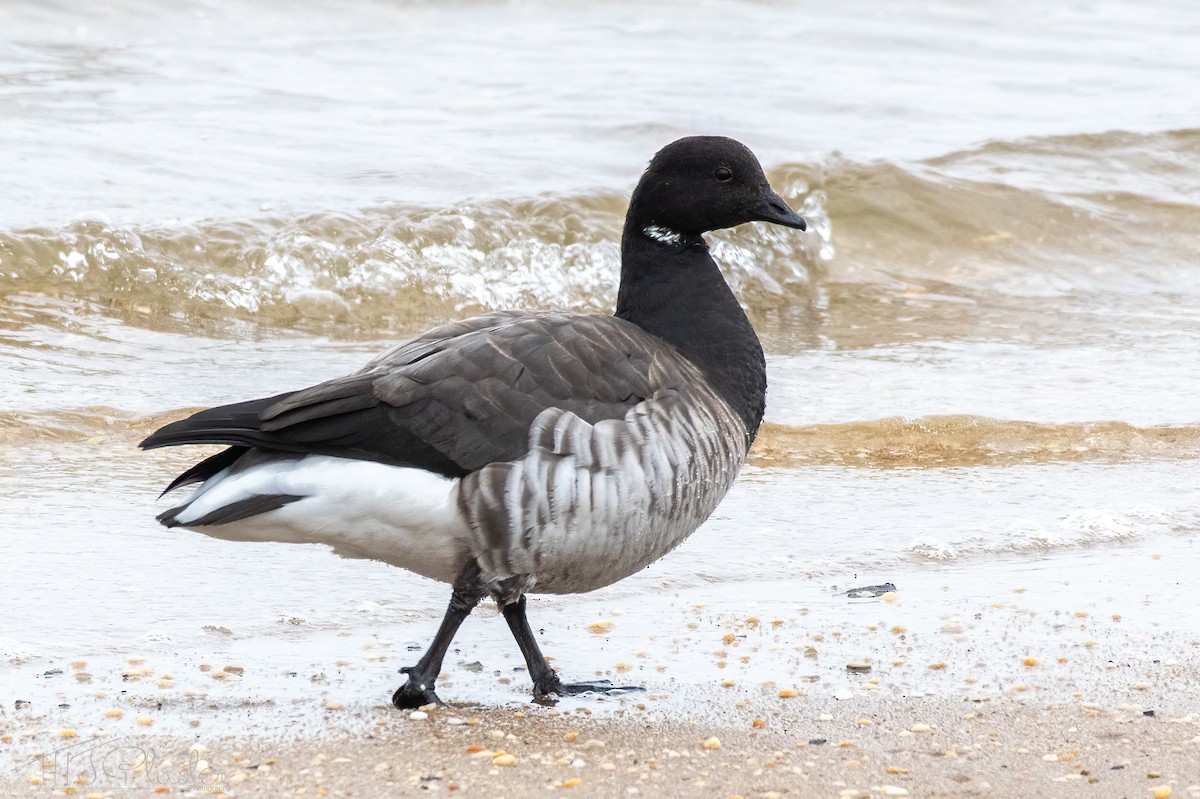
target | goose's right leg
[{"x": 546, "y": 684}]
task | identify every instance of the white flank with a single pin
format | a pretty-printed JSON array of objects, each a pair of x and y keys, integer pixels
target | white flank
[{"x": 402, "y": 516}]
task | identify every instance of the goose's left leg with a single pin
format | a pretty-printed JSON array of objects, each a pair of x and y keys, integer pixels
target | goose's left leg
[
  {"x": 545, "y": 681},
  {"x": 419, "y": 689}
]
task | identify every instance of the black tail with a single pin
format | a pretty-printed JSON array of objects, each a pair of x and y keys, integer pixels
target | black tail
[
  {"x": 239, "y": 424},
  {"x": 205, "y": 469}
]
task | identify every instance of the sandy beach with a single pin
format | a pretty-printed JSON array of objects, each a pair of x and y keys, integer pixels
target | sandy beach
[
  {"x": 1053, "y": 662},
  {"x": 753, "y": 747},
  {"x": 877, "y": 695}
]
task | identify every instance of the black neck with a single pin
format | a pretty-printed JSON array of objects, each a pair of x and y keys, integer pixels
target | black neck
[{"x": 672, "y": 288}]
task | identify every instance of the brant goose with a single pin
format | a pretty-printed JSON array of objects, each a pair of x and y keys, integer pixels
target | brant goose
[{"x": 520, "y": 452}]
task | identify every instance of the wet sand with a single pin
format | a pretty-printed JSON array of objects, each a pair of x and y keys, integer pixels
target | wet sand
[
  {"x": 1053, "y": 661},
  {"x": 1040, "y": 642},
  {"x": 921, "y": 693},
  {"x": 861, "y": 747}
]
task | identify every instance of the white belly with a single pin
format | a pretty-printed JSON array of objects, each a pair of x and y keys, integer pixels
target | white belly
[{"x": 402, "y": 516}]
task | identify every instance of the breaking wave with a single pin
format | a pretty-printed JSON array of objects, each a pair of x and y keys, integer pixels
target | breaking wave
[{"x": 1028, "y": 218}]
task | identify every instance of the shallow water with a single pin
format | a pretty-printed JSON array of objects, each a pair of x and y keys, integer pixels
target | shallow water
[{"x": 982, "y": 356}]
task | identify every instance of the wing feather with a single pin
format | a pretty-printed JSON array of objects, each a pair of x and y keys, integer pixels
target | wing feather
[{"x": 457, "y": 398}]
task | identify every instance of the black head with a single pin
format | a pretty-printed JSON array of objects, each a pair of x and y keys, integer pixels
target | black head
[{"x": 706, "y": 183}]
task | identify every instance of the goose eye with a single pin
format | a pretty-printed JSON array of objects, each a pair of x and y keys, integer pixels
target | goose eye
[{"x": 724, "y": 174}]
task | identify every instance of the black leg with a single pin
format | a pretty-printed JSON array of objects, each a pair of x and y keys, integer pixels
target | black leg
[
  {"x": 545, "y": 681},
  {"x": 419, "y": 689}
]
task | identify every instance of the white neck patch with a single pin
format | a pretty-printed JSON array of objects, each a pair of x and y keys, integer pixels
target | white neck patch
[{"x": 663, "y": 235}]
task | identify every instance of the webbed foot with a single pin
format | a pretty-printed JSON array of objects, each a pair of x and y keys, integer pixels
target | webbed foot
[
  {"x": 552, "y": 687},
  {"x": 415, "y": 693}
]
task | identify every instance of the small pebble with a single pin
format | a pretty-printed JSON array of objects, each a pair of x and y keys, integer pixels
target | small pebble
[
  {"x": 418, "y": 715},
  {"x": 504, "y": 760},
  {"x": 712, "y": 743},
  {"x": 788, "y": 693},
  {"x": 573, "y": 782},
  {"x": 1162, "y": 792},
  {"x": 920, "y": 728},
  {"x": 600, "y": 627}
]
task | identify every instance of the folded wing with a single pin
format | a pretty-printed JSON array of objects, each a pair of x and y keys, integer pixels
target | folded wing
[{"x": 455, "y": 399}]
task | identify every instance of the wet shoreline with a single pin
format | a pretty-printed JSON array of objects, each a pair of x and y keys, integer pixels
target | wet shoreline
[{"x": 965, "y": 698}]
